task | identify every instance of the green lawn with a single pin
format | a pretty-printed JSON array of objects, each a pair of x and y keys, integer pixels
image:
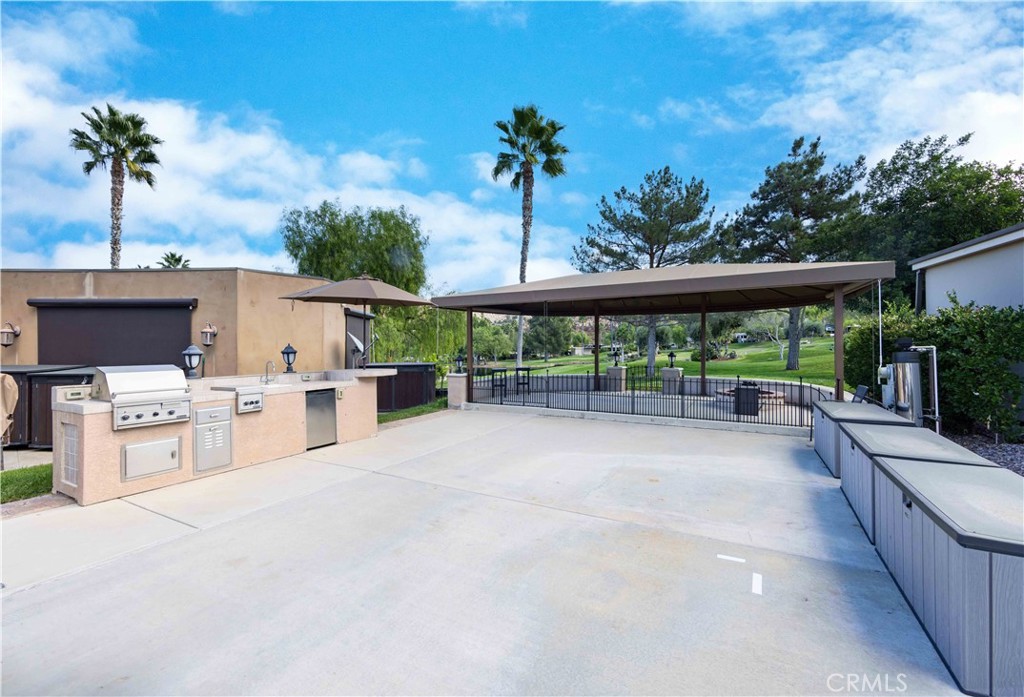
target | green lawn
[
  {"x": 25, "y": 483},
  {"x": 438, "y": 404},
  {"x": 752, "y": 361}
]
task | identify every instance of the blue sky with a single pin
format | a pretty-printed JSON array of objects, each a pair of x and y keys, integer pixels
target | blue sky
[{"x": 267, "y": 106}]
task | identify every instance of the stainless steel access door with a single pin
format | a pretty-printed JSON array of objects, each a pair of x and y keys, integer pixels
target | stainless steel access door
[
  {"x": 212, "y": 438},
  {"x": 321, "y": 419}
]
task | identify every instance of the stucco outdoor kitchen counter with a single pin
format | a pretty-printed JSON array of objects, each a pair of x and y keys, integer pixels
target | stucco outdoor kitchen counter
[{"x": 90, "y": 455}]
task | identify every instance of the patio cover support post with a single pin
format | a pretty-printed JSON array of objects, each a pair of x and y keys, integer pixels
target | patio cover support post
[
  {"x": 469, "y": 355},
  {"x": 837, "y": 301},
  {"x": 703, "y": 345},
  {"x": 597, "y": 351}
]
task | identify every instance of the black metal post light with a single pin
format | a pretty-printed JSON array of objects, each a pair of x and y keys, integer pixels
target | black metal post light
[
  {"x": 615, "y": 355},
  {"x": 458, "y": 363},
  {"x": 192, "y": 356},
  {"x": 671, "y": 359},
  {"x": 288, "y": 354},
  {"x": 207, "y": 333},
  {"x": 8, "y": 333}
]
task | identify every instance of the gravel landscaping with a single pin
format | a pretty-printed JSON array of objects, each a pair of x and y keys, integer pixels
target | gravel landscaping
[{"x": 1008, "y": 455}]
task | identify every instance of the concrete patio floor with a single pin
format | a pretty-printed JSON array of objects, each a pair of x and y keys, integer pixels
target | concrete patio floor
[{"x": 474, "y": 553}]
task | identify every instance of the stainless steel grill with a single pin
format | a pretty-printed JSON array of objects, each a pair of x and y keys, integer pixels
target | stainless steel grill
[{"x": 143, "y": 395}]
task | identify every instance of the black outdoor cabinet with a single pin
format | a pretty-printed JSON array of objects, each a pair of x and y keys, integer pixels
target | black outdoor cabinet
[
  {"x": 41, "y": 404},
  {"x": 415, "y": 384},
  {"x": 25, "y": 416},
  {"x": 747, "y": 400}
]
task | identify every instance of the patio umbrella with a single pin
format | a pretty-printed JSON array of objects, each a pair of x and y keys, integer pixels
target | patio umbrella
[{"x": 362, "y": 290}]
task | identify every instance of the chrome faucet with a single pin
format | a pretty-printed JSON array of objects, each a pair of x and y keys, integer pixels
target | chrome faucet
[{"x": 266, "y": 374}]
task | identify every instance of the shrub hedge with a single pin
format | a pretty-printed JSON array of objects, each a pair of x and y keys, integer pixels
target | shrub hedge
[{"x": 977, "y": 348}]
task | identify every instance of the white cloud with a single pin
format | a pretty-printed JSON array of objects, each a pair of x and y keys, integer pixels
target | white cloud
[
  {"x": 367, "y": 168},
  {"x": 482, "y": 164},
  {"x": 498, "y": 14},
  {"x": 537, "y": 270},
  {"x": 672, "y": 109},
  {"x": 417, "y": 168},
  {"x": 575, "y": 198},
  {"x": 642, "y": 120},
  {"x": 224, "y": 252},
  {"x": 481, "y": 195},
  {"x": 707, "y": 115},
  {"x": 940, "y": 68},
  {"x": 56, "y": 40}
]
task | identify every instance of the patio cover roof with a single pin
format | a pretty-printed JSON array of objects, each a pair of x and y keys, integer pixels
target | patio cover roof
[{"x": 677, "y": 289}]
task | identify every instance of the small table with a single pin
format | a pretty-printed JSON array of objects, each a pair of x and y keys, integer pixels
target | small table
[
  {"x": 523, "y": 379},
  {"x": 499, "y": 380}
]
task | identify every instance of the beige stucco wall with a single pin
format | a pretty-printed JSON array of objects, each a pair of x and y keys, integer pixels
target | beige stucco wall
[
  {"x": 993, "y": 277},
  {"x": 268, "y": 324},
  {"x": 253, "y": 323},
  {"x": 357, "y": 411}
]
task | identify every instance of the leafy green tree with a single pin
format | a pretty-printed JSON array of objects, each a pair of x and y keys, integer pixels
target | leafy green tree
[
  {"x": 493, "y": 339},
  {"x": 926, "y": 198},
  {"x": 548, "y": 336},
  {"x": 337, "y": 244},
  {"x": 665, "y": 223},
  {"x": 531, "y": 140},
  {"x": 173, "y": 260},
  {"x": 420, "y": 333},
  {"x": 792, "y": 218},
  {"x": 120, "y": 141}
]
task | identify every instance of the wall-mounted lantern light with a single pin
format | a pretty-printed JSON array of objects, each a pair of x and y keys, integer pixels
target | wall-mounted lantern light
[
  {"x": 8, "y": 333},
  {"x": 671, "y": 359},
  {"x": 192, "y": 355},
  {"x": 207, "y": 333},
  {"x": 288, "y": 354}
]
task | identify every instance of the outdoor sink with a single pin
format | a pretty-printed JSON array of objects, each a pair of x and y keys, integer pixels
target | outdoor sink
[{"x": 239, "y": 389}]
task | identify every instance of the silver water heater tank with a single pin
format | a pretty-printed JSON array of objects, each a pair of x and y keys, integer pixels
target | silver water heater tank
[{"x": 907, "y": 379}]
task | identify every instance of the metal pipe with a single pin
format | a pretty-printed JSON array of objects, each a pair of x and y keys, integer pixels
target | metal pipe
[
  {"x": 935, "y": 382},
  {"x": 469, "y": 355},
  {"x": 881, "y": 358},
  {"x": 837, "y": 352}
]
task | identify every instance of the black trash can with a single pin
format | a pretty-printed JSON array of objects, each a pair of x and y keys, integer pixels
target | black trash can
[{"x": 746, "y": 400}]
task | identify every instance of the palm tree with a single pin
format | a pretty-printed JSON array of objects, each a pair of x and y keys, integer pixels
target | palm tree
[
  {"x": 173, "y": 260},
  {"x": 121, "y": 141},
  {"x": 531, "y": 141}
]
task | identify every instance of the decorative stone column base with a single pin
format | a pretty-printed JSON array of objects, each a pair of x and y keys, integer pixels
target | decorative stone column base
[
  {"x": 617, "y": 378},
  {"x": 671, "y": 381},
  {"x": 456, "y": 390}
]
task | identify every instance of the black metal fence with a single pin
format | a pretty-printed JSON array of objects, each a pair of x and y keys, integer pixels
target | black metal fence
[{"x": 737, "y": 399}]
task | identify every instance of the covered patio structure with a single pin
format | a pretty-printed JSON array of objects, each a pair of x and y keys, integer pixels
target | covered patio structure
[{"x": 692, "y": 289}]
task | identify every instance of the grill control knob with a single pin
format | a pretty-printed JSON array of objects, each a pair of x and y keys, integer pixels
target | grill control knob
[
  {"x": 139, "y": 415},
  {"x": 156, "y": 413},
  {"x": 125, "y": 417},
  {"x": 170, "y": 412}
]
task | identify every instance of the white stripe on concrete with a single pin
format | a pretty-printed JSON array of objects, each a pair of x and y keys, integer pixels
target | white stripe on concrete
[
  {"x": 726, "y": 557},
  {"x": 755, "y": 584}
]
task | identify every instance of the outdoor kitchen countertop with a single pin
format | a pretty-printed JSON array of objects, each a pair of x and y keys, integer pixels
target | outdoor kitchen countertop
[{"x": 203, "y": 392}]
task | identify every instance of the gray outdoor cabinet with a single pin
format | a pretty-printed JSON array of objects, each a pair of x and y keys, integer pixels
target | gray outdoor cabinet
[
  {"x": 828, "y": 416},
  {"x": 860, "y": 443},
  {"x": 952, "y": 536}
]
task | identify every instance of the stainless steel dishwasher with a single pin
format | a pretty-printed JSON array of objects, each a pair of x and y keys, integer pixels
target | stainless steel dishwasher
[{"x": 321, "y": 419}]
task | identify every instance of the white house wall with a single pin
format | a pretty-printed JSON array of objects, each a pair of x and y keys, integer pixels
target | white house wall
[{"x": 993, "y": 277}]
